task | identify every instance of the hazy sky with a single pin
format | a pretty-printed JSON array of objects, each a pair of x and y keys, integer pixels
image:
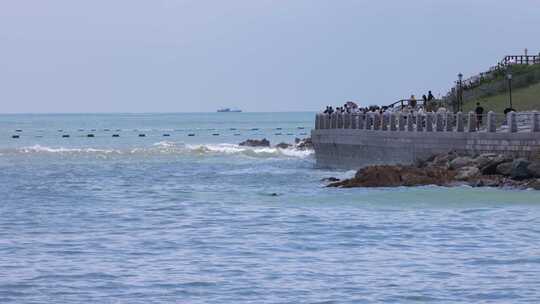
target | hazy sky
[{"x": 258, "y": 55}]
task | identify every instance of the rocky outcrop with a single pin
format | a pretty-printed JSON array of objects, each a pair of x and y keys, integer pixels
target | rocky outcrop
[
  {"x": 283, "y": 145},
  {"x": 486, "y": 170},
  {"x": 256, "y": 143},
  {"x": 303, "y": 144},
  {"x": 534, "y": 169},
  {"x": 393, "y": 176}
]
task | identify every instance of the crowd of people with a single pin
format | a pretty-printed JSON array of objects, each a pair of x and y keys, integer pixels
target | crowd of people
[{"x": 429, "y": 104}]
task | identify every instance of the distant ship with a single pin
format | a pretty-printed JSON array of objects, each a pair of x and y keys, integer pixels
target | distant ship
[{"x": 227, "y": 110}]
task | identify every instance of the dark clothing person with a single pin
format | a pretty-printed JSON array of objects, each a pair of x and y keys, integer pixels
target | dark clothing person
[
  {"x": 479, "y": 114},
  {"x": 430, "y": 96}
]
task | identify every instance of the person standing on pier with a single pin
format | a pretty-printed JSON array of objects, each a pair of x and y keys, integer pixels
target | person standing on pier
[{"x": 479, "y": 114}]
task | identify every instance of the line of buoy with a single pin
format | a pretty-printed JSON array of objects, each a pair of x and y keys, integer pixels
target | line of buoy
[{"x": 164, "y": 134}]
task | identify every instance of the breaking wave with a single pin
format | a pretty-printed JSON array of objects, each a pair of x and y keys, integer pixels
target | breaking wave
[{"x": 168, "y": 148}]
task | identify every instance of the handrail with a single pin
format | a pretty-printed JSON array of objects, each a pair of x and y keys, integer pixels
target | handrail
[
  {"x": 432, "y": 122},
  {"x": 521, "y": 59}
]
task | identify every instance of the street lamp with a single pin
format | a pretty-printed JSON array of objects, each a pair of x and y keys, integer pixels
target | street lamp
[
  {"x": 460, "y": 92},
  {"x": 509, "y": 77}
]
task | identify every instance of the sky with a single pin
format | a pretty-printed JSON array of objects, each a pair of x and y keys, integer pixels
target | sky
[{"x": 257, "y": 55}]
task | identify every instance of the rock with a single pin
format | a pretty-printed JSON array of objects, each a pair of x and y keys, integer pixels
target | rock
[
  {"x": 256, "y": 143},
  {"x": 330, "y": 179},
  {"x": 534, "y": 169},
  {"x": 460, "y": 162},
  {"x": 490, "y": 167},
  {"x": 488, "y": 181},
  {"x": 519, "y": 169},
  {"x": 534, "y": 184},
  {"x": 504, "y": 168},
  {"x": 283, "y": 145},
  {"x": 393, "y": 176},
  {"x": 304, "y": 144},
  {"x": 443, "y": 160},
  {"x": 466, "y": 173}
]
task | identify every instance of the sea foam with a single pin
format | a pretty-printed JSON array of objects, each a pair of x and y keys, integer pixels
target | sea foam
[{"x": 168, "y": 148}]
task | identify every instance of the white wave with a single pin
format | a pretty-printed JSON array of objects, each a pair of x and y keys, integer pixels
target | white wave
[
  {"x": 173, "y": 148},
  {"x": 45, "y": 149}
]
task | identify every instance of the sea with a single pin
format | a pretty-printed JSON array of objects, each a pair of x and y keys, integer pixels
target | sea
[{"x": 173, "y": 210}]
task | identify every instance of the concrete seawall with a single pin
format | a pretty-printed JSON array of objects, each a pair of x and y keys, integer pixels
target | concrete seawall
[{"x": 353, "y": 148}]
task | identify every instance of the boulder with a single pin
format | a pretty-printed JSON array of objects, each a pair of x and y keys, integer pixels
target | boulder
[
  {"x": 283, "y": 145},
  {"x": 443, "y": 160},
  {"x": 490, "y": 167},
  {"x": 504, "y": 168},
  {"x": 534, "y": 184},
  {"x": 466, "y": 173},
  {"x": 488, "y": 181},
  {"x": 460, "y": 162},
  {"x": 304, "y": 144},
  {"x": 519, "y": 169},
  {"x": 534, "y": 169},
  {"x": 394, "y": 176},
  {"x": 330, "y": 179},
  {"x": 256, "y": 143}
]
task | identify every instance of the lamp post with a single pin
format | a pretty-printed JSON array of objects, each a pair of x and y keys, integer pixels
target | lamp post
[
  {"x": 509, "y": 77},
  {"x": 460, "y": 92}
]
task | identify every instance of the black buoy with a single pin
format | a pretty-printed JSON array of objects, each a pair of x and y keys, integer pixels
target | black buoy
[
  {"x": 278, "y": 134},
  {"x": 142, "y": 135},
  {"x": 60, "y": 130},
  {"x": 118, "y": 130},
  {"x": 115, "y": 135},
  {"x": 237, "y": 134},
  {"x": 215, "y": 134},
  {"x": 65, "y": 135},
  {"x": 232, "y": 129},
  {"x": 106, "y": 130},
  {"x": 15, "y": 136},
  {"x": 300, "y": 128},
  {"x": 290, "y": 134},
  {"x": 166, "y": 135},
  {"x": 18, "y": 130},
  {"x": 93, "y": 130},
  {"x": 191, "y": 134},
  {"x": 90, "y": 135},
  {"x": 255, "y": 129},
  {"x": 278, "y": 128},
  {"x": 303, "y": 133}
]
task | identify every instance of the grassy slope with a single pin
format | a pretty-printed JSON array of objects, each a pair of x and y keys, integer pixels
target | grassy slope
[{"x": 523, "y": 99}]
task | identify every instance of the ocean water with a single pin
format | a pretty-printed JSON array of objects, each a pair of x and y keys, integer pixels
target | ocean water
[{"x": 198, "y": 219}]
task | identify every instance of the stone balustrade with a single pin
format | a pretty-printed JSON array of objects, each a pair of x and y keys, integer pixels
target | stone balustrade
[{"x": 430, "y": 122}]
